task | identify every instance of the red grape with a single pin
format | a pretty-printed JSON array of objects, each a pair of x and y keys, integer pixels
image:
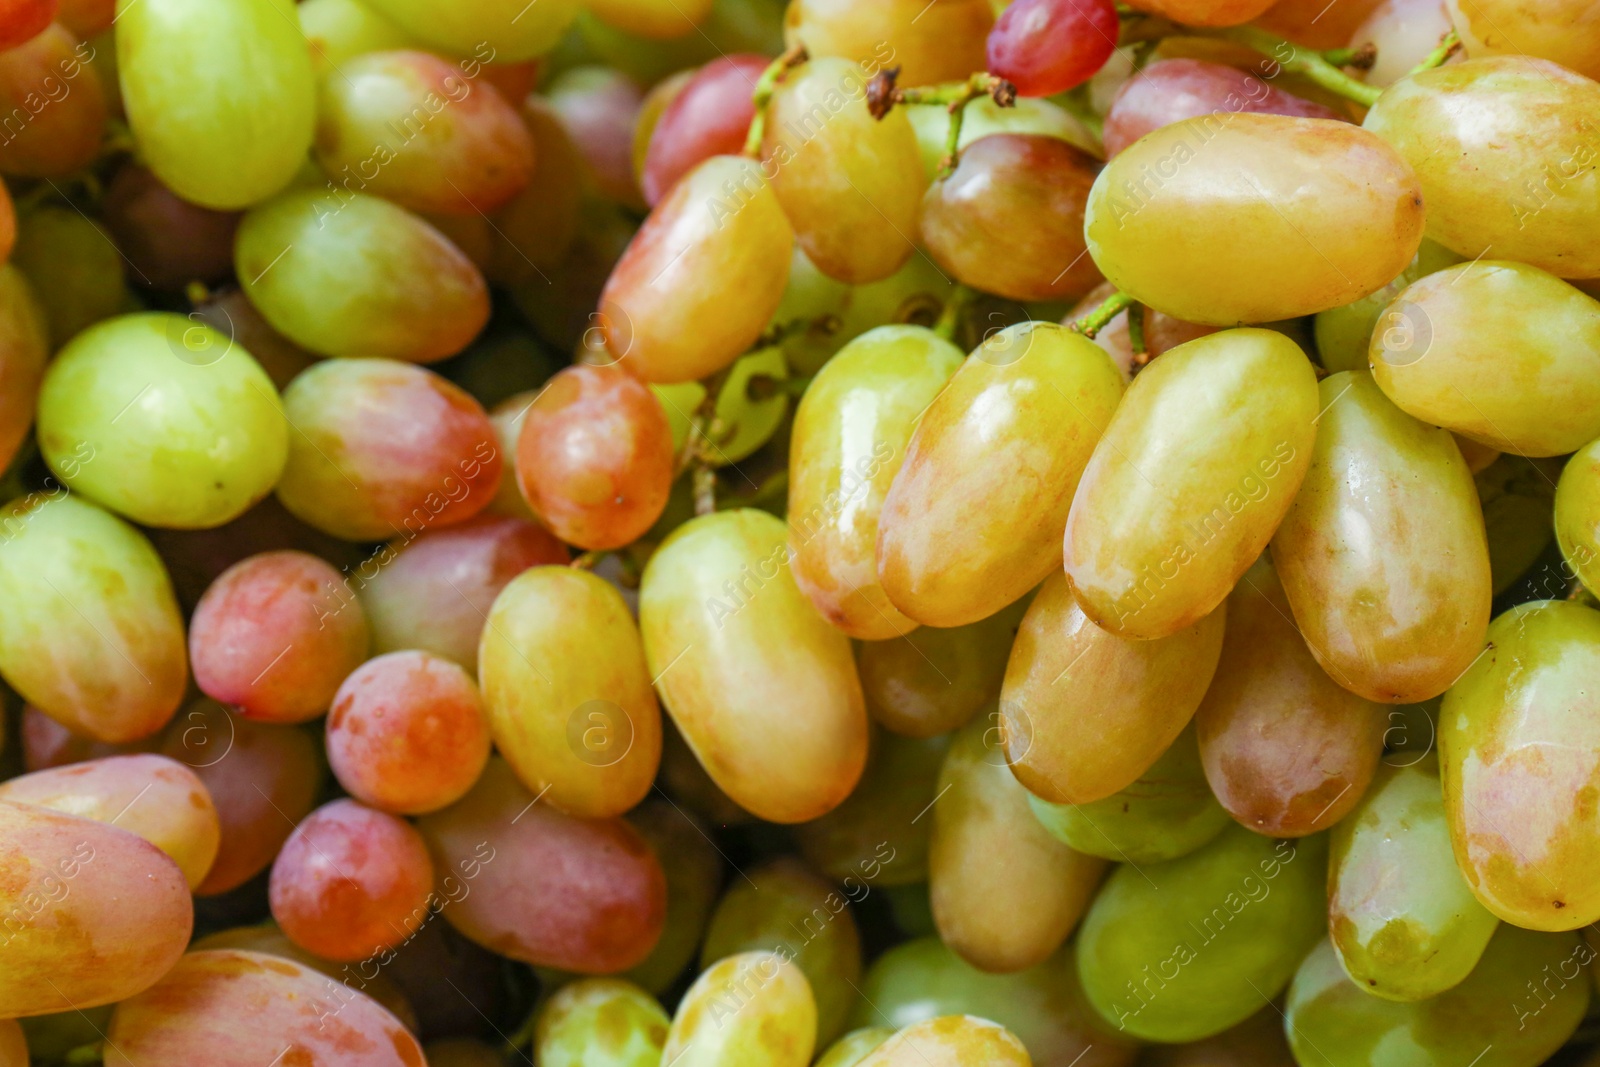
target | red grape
[
  {"x": 1044, "y": 47},
  {"x": 23, "y": 20},
  {"x": 167, "y": 241},
  {"x": 710, "y": 116}
]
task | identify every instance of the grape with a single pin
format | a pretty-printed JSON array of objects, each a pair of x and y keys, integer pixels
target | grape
[
  {"x": 232, "y": 1008},
  {"x": 338, "y": 31},
  {"x": 598, "y": 107},
  {"x": 507, "y": 417},
  {"x": 347, "y": 274},
  {"x": 594, "y": 457},
  {"x": 853, "y": 1047},
  {"x": 1316, "y": 25},
  {"x": 1206, "y": 12},
  {"x": 1166, "y": 813},
  {"x": 1344, "y": 333},
  {"x": 581, "y": 895},
  {"x": 75, "y": 269},
  {"x": 534, "y": 230},
  {"x": 1499, "y": 352},
  {"x": 87, "y": 18},
  {"x": 423, "y": 132},
  {"x": 848, "y": 182},
  {"x": 1014, "y": 910},
  {"x": 46, "y": 743},
  {"x": 1511, "y": 183},
  {"x": 982, "y": 117},
  {"x": 1161, "y": 332},
  {"x": 693, "y": 866},
  {"x": 732, "y": 26},
  {"x": 351, "y": 882},
  {"x": 275, "y": 636},
  {"x": 1276, "y": 215},
  {"x": 220, "y": 97},
  {"x": 1075, "y": 736},
  {"x": 185, "y": 428},
  {"x": 91, "y": 634},
  {"x": 849, "y": 441},
  {"x": 1518, "y": 497},
  {"x": 1171, "y": 90},
  {"x": 434, "y": 593},
  {"x": 1495, "y": 1014},
  {"x": 1163, "y": 955},
  {"x": 1257, "y": 1042},
  {"x": 763, "y": 689},
  {"x": 748, "y": 417},
  {"x": 752, "y": 1009},
  {"x": 24, "y": 348},
  {"x": 1577, "y": 514},
  {"x": 720, "y": 230},
  {"x": 1044, "y": 47},
  {"x": 581, "y": 729},
  {"x": 13, "y": 1045},
  {"x": 166, "y": 241},
  {"x": 955, "y": 543},
  {"x": 1403, "y": 32},
  {"x": 503, "y": 30},
  {"x": 407, "y": 733},
  {"x": 708, "y": 116},
  {"x": 157, "y": 798},
  {"x": 929, "y": 42},
  {"x": 21, "y": 21},
  {"x": 1401, "y": 916},
  {"x": 54, "y": 105},
  {"x": 1239, "y": 407},
  {"x": 653, "y": 18},
  {"x": 90, "y": 914},
  {"x": 950, "y": 1041},
  {"x": 231, "y": 314},
  {"x": 1567, "y": 32},
  {"x": 600, "y": 1022},
  {"x": 1517, "y": 741},
  {"x": 1010, "y": 219},
  {"x": 262, "y": 779},
  {"x": 383, "y": 449}
]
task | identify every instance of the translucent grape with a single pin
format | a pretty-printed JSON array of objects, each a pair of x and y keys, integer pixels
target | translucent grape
[
  {"x": 600, "y": 1022},
  {"x": 708, "y": 116},
  {"x": 753, "y": 1009},
  {"x": 1566, "y": 32}
]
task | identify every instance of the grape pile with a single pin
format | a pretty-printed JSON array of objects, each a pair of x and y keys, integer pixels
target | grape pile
[{"x": 799, "y": 533}]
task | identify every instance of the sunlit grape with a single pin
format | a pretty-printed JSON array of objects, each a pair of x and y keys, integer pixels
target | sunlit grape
[
  {"x": 600, "y": 1022},
  {"x": 754, "y": 1008}
]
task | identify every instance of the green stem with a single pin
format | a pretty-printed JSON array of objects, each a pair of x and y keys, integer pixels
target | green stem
[
  {"x": 1448, "y": 46},
  {"x": 1141, "y": 351},
  {"x": 766, "y": 85},
  {"x": 1306, "y": 62},
  {"x": 1109, "y": 309},
  {"x": 1360, "y": 58},
  {"x": 950, "y": 315},
  {"x": 952, "y": 96},
  {"x": 588, "y": 561}
]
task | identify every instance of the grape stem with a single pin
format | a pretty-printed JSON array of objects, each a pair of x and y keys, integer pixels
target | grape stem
[
  {"x": 588, "y": 561},
  {"x": 950, "y": 315},
  {"x": 1449, "y": 45},
  {"x": 1361, "y": 58},
  {"x": 1141, "y": 350},
  {"x": 766, "y": 85},
  {"x": 883, "y": 95},
  {"x": 1286, "y": 56},
  {"x": 1092, "y": 323}
]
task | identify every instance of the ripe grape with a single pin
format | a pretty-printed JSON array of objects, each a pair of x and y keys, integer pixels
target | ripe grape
[
  {"x": 231, "y": 314},
  {"x": 950, "y": 1041},
  {"x": 1577, "y": 514},
  {"x": 338, "y": 31},
  {"x": 166, "y": 241},
  {"x": 598, "y": 1021},
  {"x": 598, "y": 107},
  {"x": 853, "y": 1047},
  {"x": 929, "y": 42},
  {"x": 506, "y": 30},
  {"x": 775, "y": 1024},
  {"x": 21, "y": 21},
  {"x": 1343, "y": 334},
  {"x": 1044, "y": 47},
  {"x": 1566, "y": 32},
  {"x": 24, "y": 349},
  {"x": 709, "y": 115},
  {"x": 693, "y": 868},
  {"x": 54, "y": 105}
]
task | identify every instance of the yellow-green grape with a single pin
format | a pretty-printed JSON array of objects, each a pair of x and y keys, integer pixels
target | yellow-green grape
[
  {"x": 1518, "y": 499},
  {"x": 24, "y": 348},
  {"x": 850, "y": 183},
  {"x": 353, "y": 275},
  {"x": 1012, "y": 910},
  {"x": 763, "y": 689},
  {"x": 750, "y": 1010},
  {"x": 91, "y": 634},
  {"x": 1520, "y": 1004},
  {"x": 929, "y": 43},
  {"x": 1519, "y": 739},
  {"x": 183, "y": 426},
  {"x": 693, "y": 867},
  {"x": 950, "y": 1041},
  {"x": 785, "y": 908},
  {"x": 1243, "y": 218},
  {"x": 600, "y": 1022},
  {"x": 1499, "y": 352},
  {"x": 851, "y": 433},
  {"x": 732, "y": 26},
  {"x": 1194, "y": 473},
  {"x": 1085, "y": 712},
  {"x": 877, "y": 836},
  {"x": 1044, "y": 1005},
  {"x": 1182, "y": 950},
  {"x": 656, "y": 19},
  {"x": 1383, "y": 554},
  {"x": 1344, "y": 333},
  {"x": 848, "y": 1051},
  {"x": 75, "y": 269},
  {"x": 506, "y": 31},
  {"x": 1504, "y": 148},
  {"x": 1566, "y": 31},
  {"x": 983, "y": 117},
  {"x": 339, "y": 30},
  {"x": 933, "y": 680},
  {"x": 581, "y": 730},
  {"x": 679, "y": 400},
  {"x": 1168, "y": 812},
  {"x": 973, "y": 518},
  {"x": 1257, "y": 1042},
  {"x": 221, "y": 97},
  {"x": 1401, "y": 916},
  {"x": 750, "y": 405},
  {"x": 1577, "y": 514}
]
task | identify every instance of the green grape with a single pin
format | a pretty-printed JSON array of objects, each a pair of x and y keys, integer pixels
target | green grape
[
  {"x": 1519, "y": 1005},
  {"x": 1343, "y": 333},
  {"x": 91, "y": 634},
  {"x": 1577, "y": 514},
  {"x": 680, "y": 400},
  {"x": 956, "y": 543},
  {"x": 1014, "y": 909},
  {"x": 1242, "y": 218},
  {"x": 751, "y": 404},
  {"x": 754, "y": 1009},
  {"x": 1085, "y": 713},
  {"x": 1519, "y": 739},
  {"x": 75, "y": 269},
  {"x": 221, "y": 97},
  {"x": 1518, "y": 499},
  {"x": 1401, "y": 916},
  {"x": 24, "y": 348},
  {"x": 580, "y": 729},
  {"x": 1166, "y": 813},
  {"x": 785, "y": 908},
  {"x": 764, "y": 691},
  {"x": 1193, "y": 475},
  {"x": 950, "y": 1041},
  {"x": 488, "y": 30},
  {"x": 353, "y": 275},
  {"x": 1504, "y": 152},
  {"x": 693, "y": 867},
  {"x": 600, "y": 1022},
  {"x": 1498, "y": 352},
  {"x": 1182, "y": 950},
  {"x": 1383, "y": 553},
  {"x": 339, "y": 30},
  {"x": 983, "y": 116},
  {"x": 185, "y": 428},
  {"x": 848, "y": 1051},
  {"x": 850, "y": 438}
]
